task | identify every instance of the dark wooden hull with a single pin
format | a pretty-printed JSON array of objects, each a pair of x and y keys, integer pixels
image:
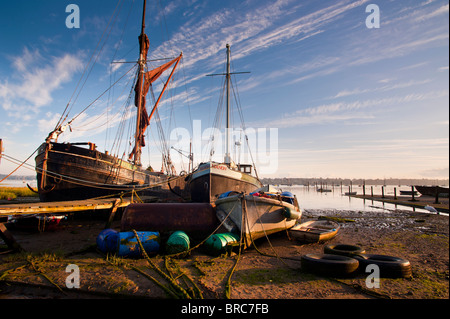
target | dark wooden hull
[
  {"x": 432, "y": 190},
  {"x": 212, "y": 179},
  {"x": 69, "y": 172}
]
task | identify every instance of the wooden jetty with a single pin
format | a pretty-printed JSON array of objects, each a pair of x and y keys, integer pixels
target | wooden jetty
[
  {"x": 63, "y": 207},
  {"x": 418, "y": 202},
  {"x": 67, "y": 206}
]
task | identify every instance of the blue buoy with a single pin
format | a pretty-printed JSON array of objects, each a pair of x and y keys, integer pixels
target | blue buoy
[
  {"x": 107, "y": 241},
  {"x": 128, "y": 245}
]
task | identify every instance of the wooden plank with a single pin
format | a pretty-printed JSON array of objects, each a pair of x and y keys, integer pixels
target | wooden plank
[{"x": 63, "y": 207}]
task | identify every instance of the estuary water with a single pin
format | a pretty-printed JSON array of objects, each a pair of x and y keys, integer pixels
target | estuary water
[{"x": 310, "y": 198}]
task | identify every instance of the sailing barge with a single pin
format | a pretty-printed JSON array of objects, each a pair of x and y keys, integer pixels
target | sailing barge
[
  {"x": 68, "y": 171},
  {"x": 211, "y": 179}
]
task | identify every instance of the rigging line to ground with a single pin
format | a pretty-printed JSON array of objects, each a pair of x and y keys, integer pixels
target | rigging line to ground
[
  {"x": 4, "y": 155},
  {"x": 67, "y": 109},
  {"x": 89, "y": 183},
  {"x": 74, "y": 118}
]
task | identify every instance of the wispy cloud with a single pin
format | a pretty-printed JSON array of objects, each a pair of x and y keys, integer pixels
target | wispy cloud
[
  {"x": 33, "y": 81},
  {"x": 344, "y": 111},
  {"x": 260, "y": 29},
  {"x": 384, "y": 88}
]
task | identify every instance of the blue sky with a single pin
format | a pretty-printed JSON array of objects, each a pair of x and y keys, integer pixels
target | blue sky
[{"x": 347, "y": 100}]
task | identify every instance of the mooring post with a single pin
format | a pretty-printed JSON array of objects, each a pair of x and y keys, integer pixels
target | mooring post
[
  {"x": 395, "y": 192},
  {"x": 436, "y": 199},
  {"x": 412, "y": 194},
  {"x": 371, "y": 190},
  {"x": 382, "y": 191}
]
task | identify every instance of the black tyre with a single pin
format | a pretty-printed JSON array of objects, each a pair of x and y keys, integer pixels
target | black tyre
[
  {"x": 390, "y": 266},
  {"x": 328, "y": 264},
  {"x": 343, "y": 250}
]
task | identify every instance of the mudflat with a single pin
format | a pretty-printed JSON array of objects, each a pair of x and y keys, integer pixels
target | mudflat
[{"x": 270, "y": 270}]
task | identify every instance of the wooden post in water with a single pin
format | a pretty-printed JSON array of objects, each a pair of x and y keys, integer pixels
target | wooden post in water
[
  {"x": 412, "y": 194},
  {"x": 371, "y": 190},
  {"x": 395, "y": 192},
  {"x": 382, "y": 191},
  {"x": 364, "y": 188},
  {"x": 436, "y": 199}
]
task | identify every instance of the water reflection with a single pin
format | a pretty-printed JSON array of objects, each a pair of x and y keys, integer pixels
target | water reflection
[{"x": 335, "y": 198}]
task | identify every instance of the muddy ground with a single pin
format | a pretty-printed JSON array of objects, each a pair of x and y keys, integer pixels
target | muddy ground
[{"x": 272, "y": 271}]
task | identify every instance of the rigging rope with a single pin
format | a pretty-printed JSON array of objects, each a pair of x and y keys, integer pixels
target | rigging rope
[
  {"x": 74, "y": 118},
  {"x": 67, "y": 109},
  {"x": 19, "y": 165}
]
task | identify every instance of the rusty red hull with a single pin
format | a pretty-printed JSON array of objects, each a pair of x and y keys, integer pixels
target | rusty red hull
[{"x": 196, "y": 219}]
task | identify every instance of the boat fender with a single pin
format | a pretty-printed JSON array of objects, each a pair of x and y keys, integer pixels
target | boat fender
[
  {"x": 290, "y": 213},
  {"x": 218, "y": 244}
]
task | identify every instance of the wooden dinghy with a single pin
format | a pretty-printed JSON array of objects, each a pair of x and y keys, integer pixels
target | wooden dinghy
[
  {"x": 259, "y": 214},
  {"x": 314, "y": 231}
]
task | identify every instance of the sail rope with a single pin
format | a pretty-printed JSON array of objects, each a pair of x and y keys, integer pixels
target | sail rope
[
  {"x": 84, "y": 182},
  {"x": 126, "y": 114},
  {"x": 103, "y": 93},
  {"x": 241, "y": 115},
  {"x": 19, "y": 166}
]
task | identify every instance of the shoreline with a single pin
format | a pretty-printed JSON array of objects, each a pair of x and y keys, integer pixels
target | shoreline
[{"x": 418, "y": 237}]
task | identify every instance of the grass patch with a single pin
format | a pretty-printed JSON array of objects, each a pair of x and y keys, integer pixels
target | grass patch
[{"x": 14, "y": 192}]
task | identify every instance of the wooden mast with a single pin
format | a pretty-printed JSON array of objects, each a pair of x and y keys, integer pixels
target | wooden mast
[
  {"x": 227, "y": 157},
  {"x": 142, "y": 62}
]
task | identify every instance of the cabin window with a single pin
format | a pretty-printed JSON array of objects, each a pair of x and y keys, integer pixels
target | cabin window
[{"x": 245, "y": 168}]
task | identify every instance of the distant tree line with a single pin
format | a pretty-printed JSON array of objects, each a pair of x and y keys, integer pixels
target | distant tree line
[
  {"x": 354, "y": 181},
  {"x": 322, "y": 181}
]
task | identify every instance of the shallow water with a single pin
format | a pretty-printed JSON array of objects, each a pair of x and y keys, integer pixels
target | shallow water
[{"x": 310, "y": 199}]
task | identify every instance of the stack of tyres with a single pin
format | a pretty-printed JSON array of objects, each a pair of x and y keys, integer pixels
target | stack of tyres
[{"x": 345, "y": 260}]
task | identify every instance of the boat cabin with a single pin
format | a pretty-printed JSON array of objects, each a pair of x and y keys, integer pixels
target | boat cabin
[{"x": 245, "y": 168}]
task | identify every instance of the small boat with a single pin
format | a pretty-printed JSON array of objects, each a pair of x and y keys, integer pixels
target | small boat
[
  {"x": 432, "y": 190},
  {"x": 258, "y": 214},
  {"x": 350, "y": 193},
  {"x": 323, "y": 190},
  {"x": 314, "y": 231},
  {"x": 408, "y": 193}
]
